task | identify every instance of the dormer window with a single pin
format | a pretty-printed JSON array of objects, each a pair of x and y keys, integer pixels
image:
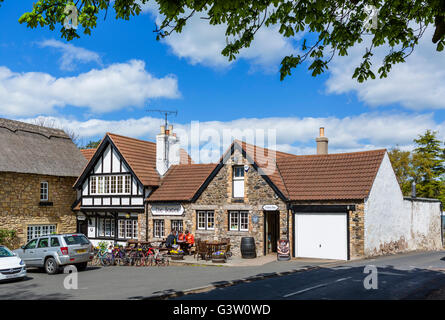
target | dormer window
[
  {"x": 114, "y": 184},
  {"x": 44, "y": 191},
  {"x": 238, "y": 181}
]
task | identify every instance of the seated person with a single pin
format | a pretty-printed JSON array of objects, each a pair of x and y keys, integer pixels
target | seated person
[
  {"x": 171, "y": 241},
  {"x": 190, "y": 240},
  {"x": 181, "y": 236}
]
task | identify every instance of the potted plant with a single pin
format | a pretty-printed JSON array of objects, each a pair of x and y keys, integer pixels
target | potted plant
[
  {"x": 219, "y": 257},
  {"x": 177, "y": 254}
]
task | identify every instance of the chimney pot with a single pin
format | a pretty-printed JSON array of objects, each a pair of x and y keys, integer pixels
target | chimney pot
[
  {"x": 321, "y": 131},
  {"x": 162, "y": 129}
]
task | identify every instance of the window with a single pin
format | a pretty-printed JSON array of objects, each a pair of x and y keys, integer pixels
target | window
[
  {"x": 100, "y": 185},
  {"x": 107, "y": 185},
  {"x": 113, "y": 184},
  {"x": 55, "y": 242},
  {"x": 40, "y": 230},
  {"x": 110, "y": 184},
  {"x": 105, "y": 227},
  {"x": 158, "y": 228},
  {"x": 238, "y": 182},
  {"x": 76, "y": 239},
  {"x": 93, "y": 185},
  {"x": 127, "y": 184},
  {"x": 32, "y": 244},
  {"x": 119, "y": 184},
  {"x": 239, "y": 221},
  {"x": 43, "y": 243},
  {"x": 44, "y": 191},
  {"x": 178, "y": 225},
  {"x": 206, "y": 220},
  {"x": 128, "y": 229}
]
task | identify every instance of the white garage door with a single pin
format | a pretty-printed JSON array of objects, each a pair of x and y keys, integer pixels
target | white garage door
[{"x": 321, "y": 235}]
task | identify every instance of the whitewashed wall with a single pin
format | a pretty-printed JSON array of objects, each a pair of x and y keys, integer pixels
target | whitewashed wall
[{"x": 393, "y": 224}]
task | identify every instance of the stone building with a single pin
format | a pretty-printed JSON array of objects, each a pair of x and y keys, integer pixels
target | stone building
[
  {"x": 332, "y": 206},
  {"x": 38, "y": 167}
]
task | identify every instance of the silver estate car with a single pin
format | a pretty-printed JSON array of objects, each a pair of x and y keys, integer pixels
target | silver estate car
[{"x": 56, "y": 250}]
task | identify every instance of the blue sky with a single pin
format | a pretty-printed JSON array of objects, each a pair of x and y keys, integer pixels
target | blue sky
[{"x": 107, "y": 81}]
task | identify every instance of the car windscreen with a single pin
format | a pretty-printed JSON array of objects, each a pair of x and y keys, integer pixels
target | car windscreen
[
  {"x": 76, "y": 239},
  {"x": 4, "y": 252}
]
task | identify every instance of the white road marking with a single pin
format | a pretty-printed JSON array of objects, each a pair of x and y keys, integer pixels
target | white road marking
[{"x": 315, "y": 287}]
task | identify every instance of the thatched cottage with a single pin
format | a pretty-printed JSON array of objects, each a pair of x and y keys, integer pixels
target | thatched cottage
[{"x": 38, "y": 167}]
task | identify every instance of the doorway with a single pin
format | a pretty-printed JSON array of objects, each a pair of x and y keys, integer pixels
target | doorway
[
  {"x": 82, "y": 227},
  {"x": 271, "y": 231}
]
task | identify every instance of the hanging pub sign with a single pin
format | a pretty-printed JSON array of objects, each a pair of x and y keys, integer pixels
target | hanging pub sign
[
  {"x": 167, "y": 209},
  {"x": 283, "y": 250}
]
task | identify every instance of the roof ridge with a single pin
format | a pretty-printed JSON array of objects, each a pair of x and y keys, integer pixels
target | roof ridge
[
  {"x": 337, "y": 154},
  {"x": 47, "y": 132},
  {"x": 131, "y": 138}
]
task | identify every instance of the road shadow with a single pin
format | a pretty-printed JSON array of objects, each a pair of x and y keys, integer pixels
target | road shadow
[{"x": 327, "y": 283}]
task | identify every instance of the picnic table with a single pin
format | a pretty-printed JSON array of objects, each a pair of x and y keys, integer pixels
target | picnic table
[{"x": 215, "y": 246}]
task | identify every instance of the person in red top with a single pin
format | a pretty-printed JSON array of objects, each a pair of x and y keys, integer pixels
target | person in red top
[
  {"x": 181, "y": 236},
  {"x": 190, "y": 239}
]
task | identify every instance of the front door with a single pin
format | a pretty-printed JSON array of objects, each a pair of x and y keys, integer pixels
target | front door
[
  {"x": 82, "y": 227},
  {"x": 272, "y": 230}
]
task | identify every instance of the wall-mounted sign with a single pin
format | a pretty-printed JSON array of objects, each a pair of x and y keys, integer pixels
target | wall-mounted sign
[
  {"x": 167, "y": 209},
  {"x": 246, "y": 167},
  {"x": 270, "y": 207},
  {"x": 255, "y": 219},
  {"x": 81, "y": 217}
]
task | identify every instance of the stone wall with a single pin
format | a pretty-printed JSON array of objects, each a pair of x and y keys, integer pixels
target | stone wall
[
  {"x": 218, "y": 197},
  {"x": 20, "y": 198}
]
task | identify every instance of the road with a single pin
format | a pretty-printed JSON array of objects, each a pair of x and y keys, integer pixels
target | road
[
  {"x": 408, "y": 276},
  {"x": 399, "y": 277}
]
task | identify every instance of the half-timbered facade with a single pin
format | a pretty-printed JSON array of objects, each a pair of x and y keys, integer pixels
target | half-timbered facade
[{"x": 111, "y": 191}]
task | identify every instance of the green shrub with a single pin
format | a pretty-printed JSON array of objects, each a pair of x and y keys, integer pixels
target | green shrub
[{"x": 7, "y": 237}]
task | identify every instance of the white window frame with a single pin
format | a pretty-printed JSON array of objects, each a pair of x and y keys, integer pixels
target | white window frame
[
  {"x": 238, "y": 179},
  {"x": 110, "y": 185},
  {"x": 204, "y": 217},
  {"x": 159, "y": 228},
  {"x": 102, "y": 224},
  {"x": 127, "y": 229},
  {"x": 44, "y": 191},
  {"x": 237, "y": 219},
  {"x": 177, "y": 225},
  {"x": 39, "y": 230}
]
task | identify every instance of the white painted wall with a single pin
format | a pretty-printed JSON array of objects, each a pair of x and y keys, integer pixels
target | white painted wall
[{"x": 392, "y": 224}]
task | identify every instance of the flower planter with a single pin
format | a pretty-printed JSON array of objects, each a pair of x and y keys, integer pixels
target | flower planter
[
  {"x": 219, "y": 258},
  {"x": 177, "y": 257}
]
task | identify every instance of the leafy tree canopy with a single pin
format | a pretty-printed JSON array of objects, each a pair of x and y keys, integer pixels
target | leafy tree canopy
[
  {"x": 92, "y": 145},
  {"x": 425, "y": 165},
  {"x": 330, "y": 27}
]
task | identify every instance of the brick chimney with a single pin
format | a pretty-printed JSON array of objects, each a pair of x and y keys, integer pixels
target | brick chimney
[
  {"x": 322, "y": 143},
  {"x": 167, "y": 150}
]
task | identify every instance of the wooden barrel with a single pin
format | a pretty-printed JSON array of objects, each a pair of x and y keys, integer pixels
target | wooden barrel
[{"x": 248, "y": 250}]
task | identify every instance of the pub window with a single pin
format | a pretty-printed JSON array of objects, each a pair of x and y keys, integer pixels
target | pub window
[
  {"x": 119, "y": 184},
  {"x": 113, "y": 184},
  {"x": 107, "y": 184},
  {"x": 158, "y": 228},
  {"x": 93, "y": 185},
  {"x": 127, "y": 184},
  {"x": 128, "y": 229},
  {"x": 238, "y": 182},
  {"x": 100, "y": 185},
  {"x": 44, "y": 191},
  {"x": 106, "y": 227},
  {"x": 206, "y": 220},
  {"x": 239, "y": 221},
  {"x": 178, "y": 225}
]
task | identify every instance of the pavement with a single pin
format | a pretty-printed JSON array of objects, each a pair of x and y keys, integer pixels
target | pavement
[{"x": 406, "y": 276}]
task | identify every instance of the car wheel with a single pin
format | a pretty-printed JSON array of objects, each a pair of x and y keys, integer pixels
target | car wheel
[
  {"x": 51, "y": 266},
  {"x": 81, "y": 266}
]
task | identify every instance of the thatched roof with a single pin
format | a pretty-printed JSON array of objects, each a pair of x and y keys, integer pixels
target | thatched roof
[{"x": 27, "y": 148}]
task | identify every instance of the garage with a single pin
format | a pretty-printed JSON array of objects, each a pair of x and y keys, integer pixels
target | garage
[{"x": 321, "y": 235}]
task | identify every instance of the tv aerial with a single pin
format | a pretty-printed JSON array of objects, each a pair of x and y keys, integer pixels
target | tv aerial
[{"x": 166, "y": 113}]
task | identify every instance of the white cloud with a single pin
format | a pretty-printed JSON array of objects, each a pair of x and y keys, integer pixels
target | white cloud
[
  {"x": 113, "y": 88},
  {"x": 294, "y": 135},
  {"x": 202, "y": 43},
  {"x": 71, "y": 54},
  {"x": 415, "y": 84}
]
